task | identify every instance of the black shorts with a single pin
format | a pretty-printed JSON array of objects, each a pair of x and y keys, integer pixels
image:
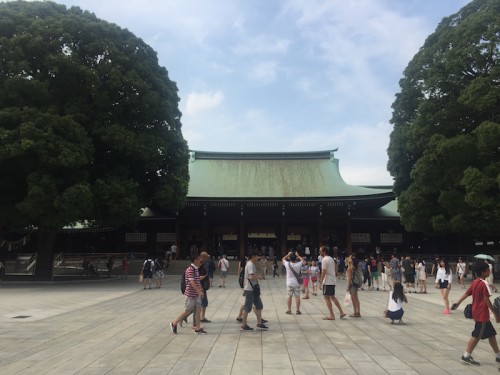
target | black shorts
[
  {"x": 329, "y": 290},
  {"x": 443, "y": 284},
  {"x": 410, "y": 278},
  {"x": 483, "y": 330}
]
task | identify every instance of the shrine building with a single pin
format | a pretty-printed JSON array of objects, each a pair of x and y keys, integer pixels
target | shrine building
[{"x": 275, "y": 200}]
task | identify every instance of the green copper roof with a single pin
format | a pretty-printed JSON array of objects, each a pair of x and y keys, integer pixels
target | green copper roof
[{"x": 270, "y": 175}]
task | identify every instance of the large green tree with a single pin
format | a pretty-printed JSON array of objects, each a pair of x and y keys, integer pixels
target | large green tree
[
  {"x": 444, "y": 151},
  {"x": 89, "y": 124}
]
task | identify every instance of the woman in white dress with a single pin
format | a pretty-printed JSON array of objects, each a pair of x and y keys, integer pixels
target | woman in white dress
[
  {"x": 491, "y": 277},
  {"x": 422, "y": 276},
  {"x": 461, "y": 267}
]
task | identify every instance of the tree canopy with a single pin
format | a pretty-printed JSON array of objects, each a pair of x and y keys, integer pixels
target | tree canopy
[
  {"x": 444, "y": 151},
  {"x": 89, "y": 122}
]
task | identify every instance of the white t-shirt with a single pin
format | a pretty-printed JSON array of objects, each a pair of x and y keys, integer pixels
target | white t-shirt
[
  {"x": 250, "y": 269},
  {"x": 441, "y": 275},
  {"x": 460, "y": 268},
  {"x": 223, "y": 264},
  {"x": 314, "y": 271},
  {"x": 393, "y": 305},
  {"x": 328, "y": 265},
  {"x": 291, "y": 280}
]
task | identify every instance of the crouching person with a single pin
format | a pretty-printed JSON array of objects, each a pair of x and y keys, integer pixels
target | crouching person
[{"x": 395, "y": 307}]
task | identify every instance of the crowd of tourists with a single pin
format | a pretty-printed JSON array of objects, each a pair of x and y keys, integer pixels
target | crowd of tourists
[{"x": 397, "y": 275}]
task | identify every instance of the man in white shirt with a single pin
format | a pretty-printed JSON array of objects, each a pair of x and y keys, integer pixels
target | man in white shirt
[
  {"x": 328, "y": 280},
  {"x": 223, "y": 266},
  {"x": 292, "y": 284},
  {"x": 251, "y": 290}
]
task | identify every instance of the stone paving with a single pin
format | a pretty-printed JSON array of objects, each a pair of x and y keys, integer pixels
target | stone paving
[{"x": 116, "y": 327}]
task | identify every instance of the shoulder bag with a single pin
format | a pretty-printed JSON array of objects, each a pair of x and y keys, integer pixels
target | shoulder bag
[{"x": 298, "y": 276}]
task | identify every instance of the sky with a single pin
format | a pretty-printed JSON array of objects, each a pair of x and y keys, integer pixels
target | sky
[{"x": 285, "y": 75}]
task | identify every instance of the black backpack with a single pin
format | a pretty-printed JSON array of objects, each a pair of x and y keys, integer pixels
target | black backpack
[
  {"x": 211, "y": 265},
  {"x": 147, "y": 265}
]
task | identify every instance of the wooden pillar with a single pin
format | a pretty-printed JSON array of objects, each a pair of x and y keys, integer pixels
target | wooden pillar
[
  {"x": 283, "y": 233},
  {"x": 204, "y": 244},
  {"x": 320, "y": 233},
  {"x": 151, "y": 242},
  {"x": 242, "y": 235},
  {"x": 348, "y": 235},
  {"x": 178, "y": 237}
]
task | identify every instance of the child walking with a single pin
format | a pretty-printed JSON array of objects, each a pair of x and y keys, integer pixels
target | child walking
[
  {"x": 481, "y": 307},
  {"x": 314, "y": 277}
]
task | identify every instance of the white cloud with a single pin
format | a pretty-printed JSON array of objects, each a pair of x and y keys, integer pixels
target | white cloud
[
  {"x": 264, "y": 71},
  {"x": 262, "y": 44},
  {"x": 285, "y": 76},
  {"x": 361, "y": 46},
  {"x": 200, "y": 102}
]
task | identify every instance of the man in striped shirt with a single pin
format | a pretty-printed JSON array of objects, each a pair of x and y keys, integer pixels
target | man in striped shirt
[{"x": 194, "y": 293}]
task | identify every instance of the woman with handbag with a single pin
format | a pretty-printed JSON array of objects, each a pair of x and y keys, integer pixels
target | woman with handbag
[{"x": 354, "y": 281}]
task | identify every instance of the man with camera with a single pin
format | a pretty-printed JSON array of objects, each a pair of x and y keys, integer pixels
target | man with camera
[{"x": 251, "y": 291}]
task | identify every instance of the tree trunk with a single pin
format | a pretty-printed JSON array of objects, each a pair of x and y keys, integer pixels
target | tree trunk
[{"x": 45, "y": 253}]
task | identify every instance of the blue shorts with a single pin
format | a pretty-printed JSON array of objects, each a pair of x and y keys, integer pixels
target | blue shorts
[{"x": 204, "y": 300}]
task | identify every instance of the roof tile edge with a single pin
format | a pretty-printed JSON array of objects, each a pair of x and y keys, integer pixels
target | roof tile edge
[{"x": 210, "y": 155}]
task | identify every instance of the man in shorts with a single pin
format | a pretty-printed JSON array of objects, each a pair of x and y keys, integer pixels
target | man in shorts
[
  {"x": 223, "y": 267},
  {"x": 293, "y": 268},
  {"x": 194, "y": 294},
  {"x": 251, "y": 291},
  {"x": 481, "y": 307},
  {"x": 328, "y": 279}
]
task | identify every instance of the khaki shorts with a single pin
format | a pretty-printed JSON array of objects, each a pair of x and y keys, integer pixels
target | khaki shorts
[
  {"x": 192, "y": 303},
  {"x": 293, "y": 291}
]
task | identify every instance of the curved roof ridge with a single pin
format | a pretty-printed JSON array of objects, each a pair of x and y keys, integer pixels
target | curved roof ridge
[
  {"x": 290, "y": 175},
  {"x": 300, "y": 155}
]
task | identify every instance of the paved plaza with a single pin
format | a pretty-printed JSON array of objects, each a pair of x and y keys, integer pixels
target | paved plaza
[{"x": 116, "y": 327}]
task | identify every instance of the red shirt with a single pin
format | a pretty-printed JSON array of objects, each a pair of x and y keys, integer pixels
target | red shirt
[{"x": 479, "y": 291}]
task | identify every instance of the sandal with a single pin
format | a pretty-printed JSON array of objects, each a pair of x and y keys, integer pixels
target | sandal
[
  {"x": 289, "y": 312},
  {"x": 298, "y": 312}
]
